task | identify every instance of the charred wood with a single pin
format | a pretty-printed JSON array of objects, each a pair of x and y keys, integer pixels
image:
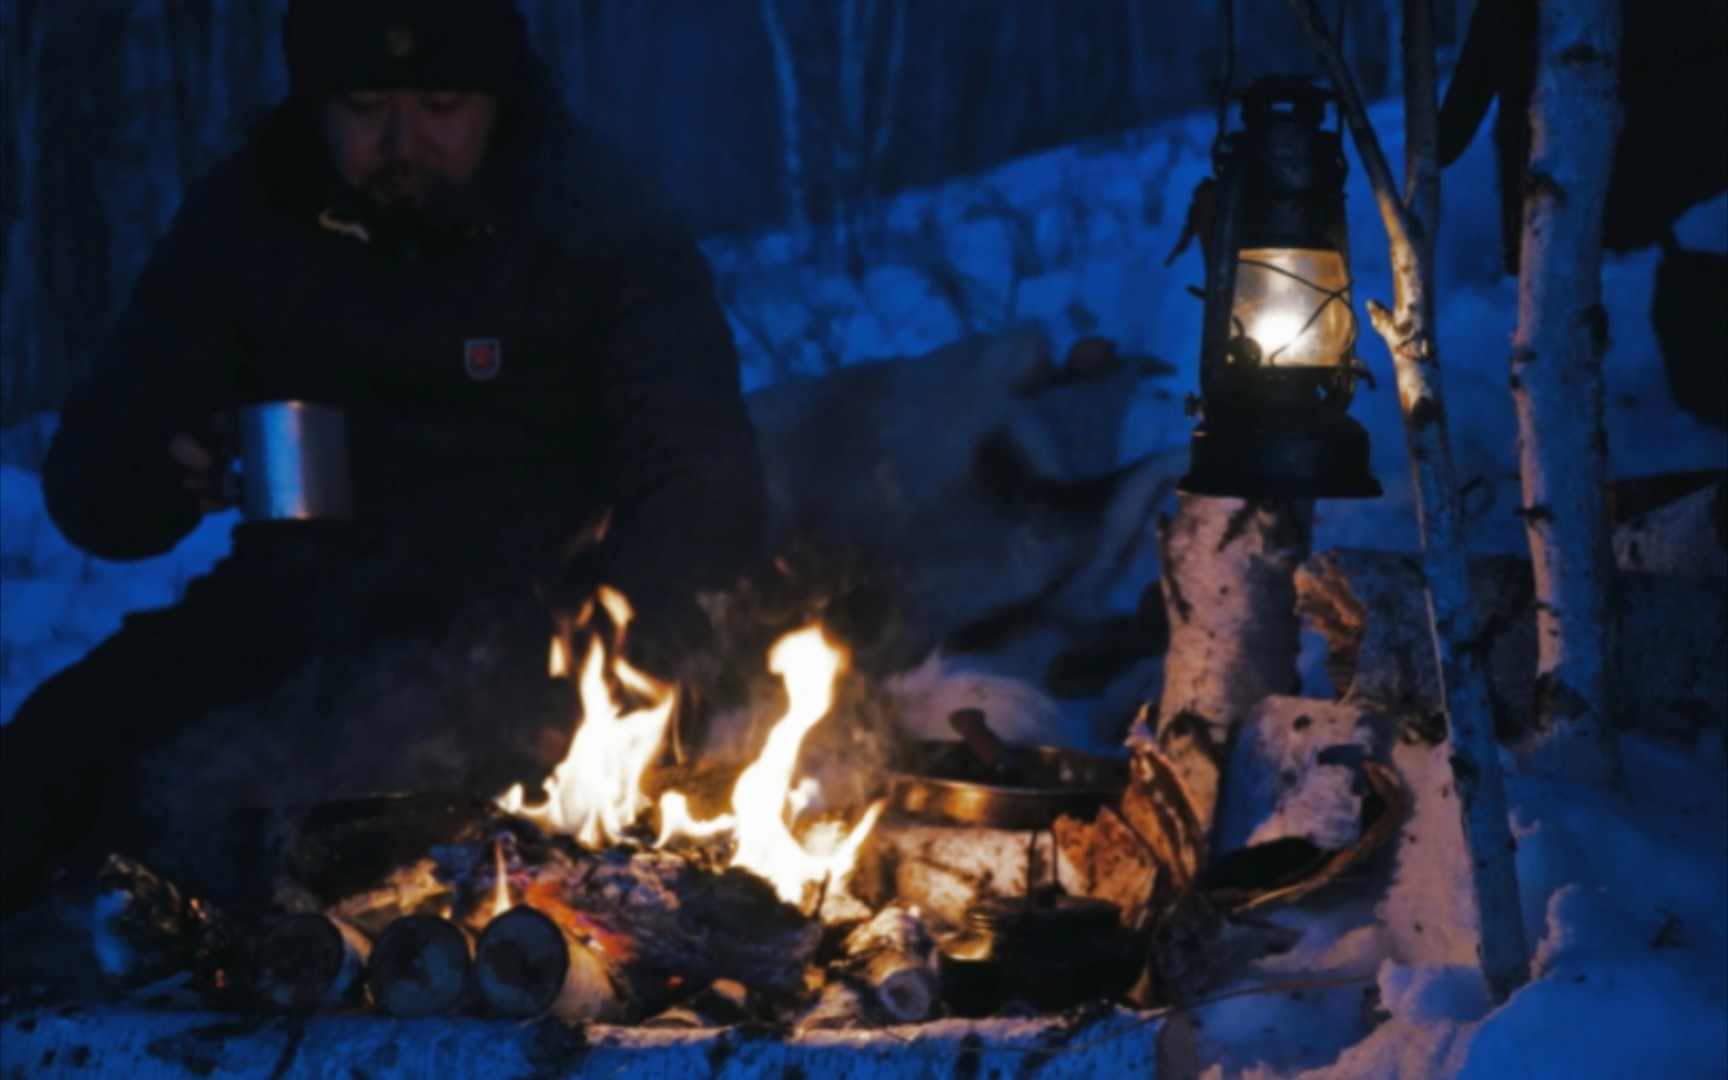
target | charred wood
[{"x": 662, "y": 921}]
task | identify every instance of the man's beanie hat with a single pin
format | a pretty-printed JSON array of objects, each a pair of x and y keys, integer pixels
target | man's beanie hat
[{"x": 336, "y": 45}]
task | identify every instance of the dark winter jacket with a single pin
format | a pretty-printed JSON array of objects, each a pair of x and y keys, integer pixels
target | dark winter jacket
[{"x": 616, "y": 381}]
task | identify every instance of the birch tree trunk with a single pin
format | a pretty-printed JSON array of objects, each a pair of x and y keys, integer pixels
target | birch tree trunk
[
  {"x": 1410, "y": 336},
  {"x": 891, "y": 79},
  {"x": 791, "y": 112},
  {"x": 1557, "y": 381},
  {"x": 1229, "y": 581}
]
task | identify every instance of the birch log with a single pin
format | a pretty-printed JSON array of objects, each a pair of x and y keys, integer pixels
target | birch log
[
  {"x": 1408, "y": 329},
  {"x": 1557, "y": 381},
  {"x": 1229, "y": 585}
]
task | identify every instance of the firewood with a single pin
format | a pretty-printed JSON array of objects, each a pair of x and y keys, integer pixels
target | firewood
[
  {"x": 891, "y": 956},
  {"x": 722, "y": 1004},
  {"x": 410, "y": 890},
  {"x": 942, "y": 869},
  {"x": 840, "y": 1005},
  {"x": 1227, "y": 566},
  {"x": 1371, "y": 608},
  {"x": 309, "y": 962},
  {"x": 902, "y": 986},
  {"x": 422, "y": 965},
  {"x": 1687, "y": 538},
  {"x": 527, "y": 964}
]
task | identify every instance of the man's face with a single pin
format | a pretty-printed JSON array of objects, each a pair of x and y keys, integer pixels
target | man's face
[{"x": 404, "y": 147}]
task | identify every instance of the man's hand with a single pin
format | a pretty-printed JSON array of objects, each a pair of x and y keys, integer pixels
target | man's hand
[{"x": 202, "y": 473}]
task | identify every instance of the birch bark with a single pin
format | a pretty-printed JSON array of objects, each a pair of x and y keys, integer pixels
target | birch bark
[
  {"x": 1229, "y": 582},
  {"x": 1410, "y": 336},
  {"x": 1557, "y": 382}
]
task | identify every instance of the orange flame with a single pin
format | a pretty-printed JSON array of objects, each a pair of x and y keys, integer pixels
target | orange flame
[
  {"x": 595, "y": 793},
  {"x": 810, "y": 665},
  {"x": 501, "y": 889}
]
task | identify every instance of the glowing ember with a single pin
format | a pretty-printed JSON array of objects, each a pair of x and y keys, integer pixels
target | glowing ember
[{"x": 595, "y": 793}]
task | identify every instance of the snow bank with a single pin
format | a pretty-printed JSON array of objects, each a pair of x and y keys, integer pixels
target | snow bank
[
  {"x": 1626, "y": 894},
  {"x": 56, "y": 602}
]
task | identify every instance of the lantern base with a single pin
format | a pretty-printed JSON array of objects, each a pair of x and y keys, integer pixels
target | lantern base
[{"x": 1308, "y": 453}]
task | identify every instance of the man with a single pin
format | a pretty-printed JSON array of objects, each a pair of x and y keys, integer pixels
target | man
[{"x": 524, "y": 345}]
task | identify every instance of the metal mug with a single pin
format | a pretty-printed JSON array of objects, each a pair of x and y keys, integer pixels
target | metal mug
[{"x": 293, "y": 462}]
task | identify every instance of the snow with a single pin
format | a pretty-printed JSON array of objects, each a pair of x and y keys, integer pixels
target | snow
[
  {"x": 1625, "y": 895},
  {"x": 1625, "y": 892},
  {"x": 57, "y": 602}
]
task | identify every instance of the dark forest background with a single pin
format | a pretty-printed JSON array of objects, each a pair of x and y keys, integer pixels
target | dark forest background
[{"x": 755, "y": 113}]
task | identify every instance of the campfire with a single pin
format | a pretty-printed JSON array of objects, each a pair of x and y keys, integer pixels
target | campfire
[
  {"x": 979, "y": 880},
  {"x": 728, "y": 894}
]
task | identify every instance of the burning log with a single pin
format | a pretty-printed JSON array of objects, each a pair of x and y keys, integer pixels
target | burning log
[
  {"x": 422, "y": 965},
  {"x": 529, "y": 964},
  {"x": 891, "y": 955},
  {"x": 310, "y": 962}
]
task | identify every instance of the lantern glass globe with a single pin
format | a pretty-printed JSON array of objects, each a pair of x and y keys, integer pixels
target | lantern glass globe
[{"x": 1295, "y": 304}]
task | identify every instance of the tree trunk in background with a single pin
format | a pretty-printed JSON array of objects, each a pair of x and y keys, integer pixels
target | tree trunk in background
[
  {"x": 1557, "y": 381},
  {"x": 1229, "y": 581},
  {"x": 791, "y": 122},
  {"x": 1410, "y": 336},
  {"x": 22, "y": 30},
  {"x": 891, "y": 79}
]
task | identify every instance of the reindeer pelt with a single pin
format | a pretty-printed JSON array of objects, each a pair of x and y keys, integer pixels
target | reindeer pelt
[{"x": 471, "y": 710}]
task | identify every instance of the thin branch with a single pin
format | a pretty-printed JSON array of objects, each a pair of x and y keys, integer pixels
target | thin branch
[
  {"x": 1421, "y": 124},
  {"x": 1392, "y": 210}
]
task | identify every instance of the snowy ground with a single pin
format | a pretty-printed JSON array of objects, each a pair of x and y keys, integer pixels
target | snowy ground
[
  {"x": 1625, "y": 903},
  {"x": 1625, "y": 893}
]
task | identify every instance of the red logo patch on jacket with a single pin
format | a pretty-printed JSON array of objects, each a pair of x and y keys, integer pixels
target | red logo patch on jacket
[{"x": 481, "y": 358}]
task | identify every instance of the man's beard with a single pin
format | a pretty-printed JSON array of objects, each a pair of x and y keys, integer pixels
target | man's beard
[{"x": 402, "y": 190}]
